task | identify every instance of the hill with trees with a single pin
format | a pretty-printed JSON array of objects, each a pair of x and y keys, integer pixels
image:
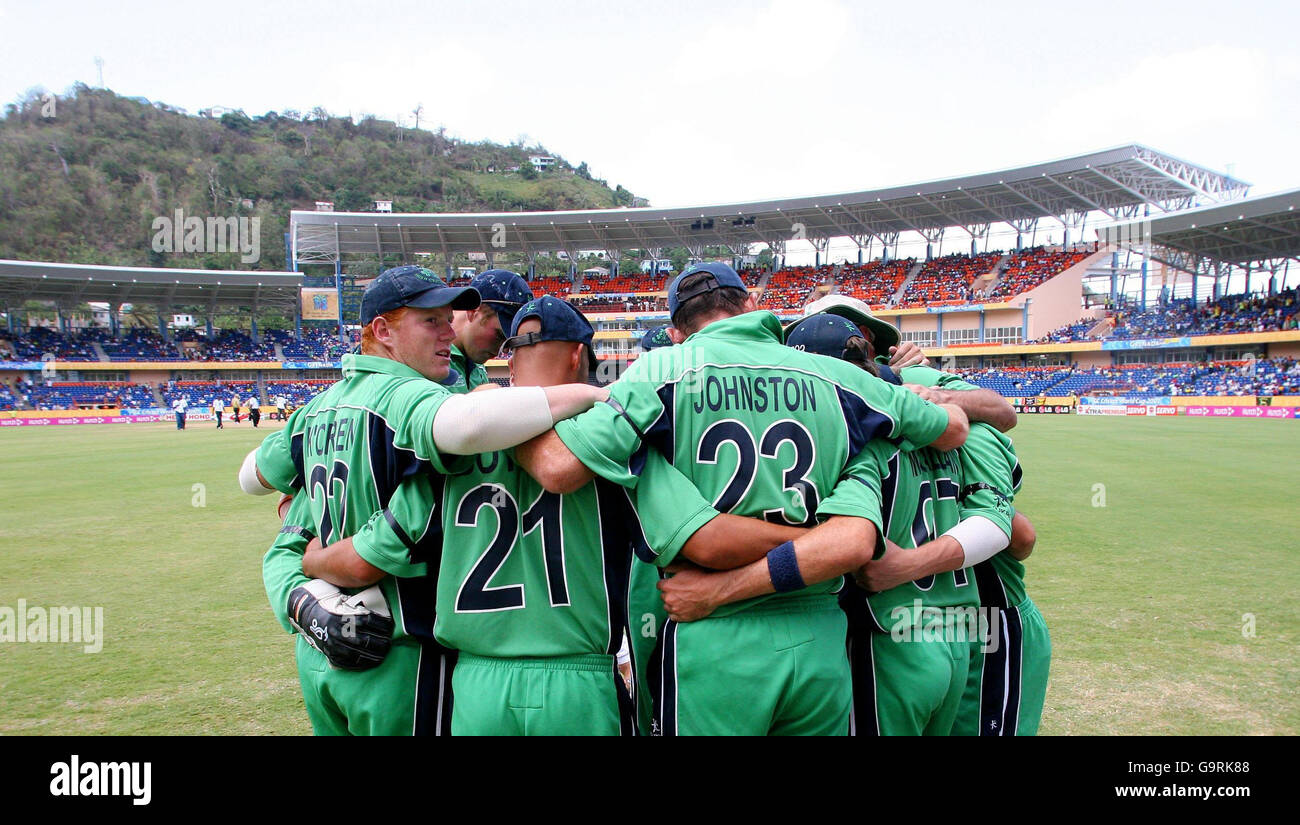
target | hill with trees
[{"x": 83, "y": 176}]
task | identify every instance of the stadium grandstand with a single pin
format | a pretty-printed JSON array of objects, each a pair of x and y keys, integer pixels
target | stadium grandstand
[{"x": 1133, "y": 302}]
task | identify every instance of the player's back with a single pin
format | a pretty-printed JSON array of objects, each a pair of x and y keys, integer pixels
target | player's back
[
  {"x": 990, "y": 463},
  {"x": 762, "y": 429},
  {"x": 528, "y": 573},
  {"x": 919, "y": 500}
]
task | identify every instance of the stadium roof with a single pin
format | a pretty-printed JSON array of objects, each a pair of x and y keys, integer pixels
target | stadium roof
[
  {"x": 1210, "y": 240},
  {"x": 77, "y": 283},
  {"x": 1118, "y": 183}
]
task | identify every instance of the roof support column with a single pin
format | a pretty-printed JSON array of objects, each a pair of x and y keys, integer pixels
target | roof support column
[
  {"x": 1024, "y": 330},
  {"x": 938, "y": 329},
  {"x": 1114, "y": 278},
  {"x": 338, "y": 296},
  {"x": 820, "y": 245},
  {"x": 1144, "y": 281},
  {"x": 297, "y": 322},
  {"x": 887, "y": 240},
  {"x": 1022, "y": 226},
  {"x": 162, "y": 325},
  {"x": 1194, "y": 289},
  {"x": 932, "y": 237},
  {"x": 863, "y": 241},
  {"x": 981, "y": 338},
  {"x": 1072, "y": 220},
  {"x": 977, "y": 231}
]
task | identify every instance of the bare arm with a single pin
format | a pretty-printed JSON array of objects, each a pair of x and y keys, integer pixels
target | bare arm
[
  {"x": 971, "y": 541},
  {"x": 955, "y": 434},
  {"x": 979, "y": 405},
  {"x": 842, "y": 544},
  {"x": 726, "y": 541},
  {"x": 1023, "y": 537},
  {"x": 900, "y": 565},
  {"x": 339, "y": 565},
  {"x": 556, "y": 468}
]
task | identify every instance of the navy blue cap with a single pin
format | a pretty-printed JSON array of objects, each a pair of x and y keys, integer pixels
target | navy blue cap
[
  {"x": 561, "y": 321},
  {"x": 722, "y": 275},
  {"x": 823, "y": 334},
  {"x": 504, "y": 291},
  {"x": 655, "y": 338},
  {"x": 412, "y": 286}
]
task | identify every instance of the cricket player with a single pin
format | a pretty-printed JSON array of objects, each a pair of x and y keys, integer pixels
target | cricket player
[
  {"x": 532, "y": 586},
  {"x": 909, "y": 644},
  {"x": 368, "y": 452},
  {"x": 480, "y": 331},
  {"x": 735, "y": 411}
]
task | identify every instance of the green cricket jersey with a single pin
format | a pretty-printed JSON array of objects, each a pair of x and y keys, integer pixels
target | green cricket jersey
[
  {"x": 282, "y": 565},
  {"x": 527, "y": 573},
  {"x": 466, "y": 375},
  {"x": 991, "y": 479},
  {"x": 919, "y": 493},
  {"x": 761, "y": 429},
  {"x": 363, "y": 452}
]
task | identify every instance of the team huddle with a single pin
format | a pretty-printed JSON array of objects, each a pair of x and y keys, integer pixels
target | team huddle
[{"x": 780, "y": 530}]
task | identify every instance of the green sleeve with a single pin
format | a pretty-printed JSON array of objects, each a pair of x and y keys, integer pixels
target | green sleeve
[
  {"x": 282, "y": 565},
  {"x": 931, "y": 377},
  {"x": 413, "y": 404},
  {"x": 857, "y": 493},
  {"x": 608, "y": 437},
  {"x": 275, "y": 459},
  {"x": 670, "y": 510},
  {"x": 917, "y": 422},
  {"x": 988, "y": 467},
  {"x": 389, "y": 537}
]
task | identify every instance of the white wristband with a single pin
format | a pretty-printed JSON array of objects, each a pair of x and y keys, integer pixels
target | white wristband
[
  {"x": 980, "y": 539},
  {"x": 248, "y": 480}
]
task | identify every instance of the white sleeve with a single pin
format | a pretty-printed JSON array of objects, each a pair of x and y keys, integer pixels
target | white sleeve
[
  {"x": 486, "y": 421},
  {"x": 980, "y": 539}
]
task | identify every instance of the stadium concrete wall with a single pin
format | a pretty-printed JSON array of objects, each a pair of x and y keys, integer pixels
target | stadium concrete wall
[{"x": 1059, "y": 301}]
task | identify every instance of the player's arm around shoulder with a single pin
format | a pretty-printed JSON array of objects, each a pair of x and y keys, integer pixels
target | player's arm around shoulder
[
  {"x": 840, "y": 545},
  {"x": 599, "y": 442}
]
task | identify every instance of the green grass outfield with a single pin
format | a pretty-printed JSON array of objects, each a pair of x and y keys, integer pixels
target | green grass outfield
[{"x": 1145, "y": 597}]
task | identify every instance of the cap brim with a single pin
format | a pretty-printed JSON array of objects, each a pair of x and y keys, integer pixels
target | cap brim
[
  {"x": 886, "y": 333},
  {"x": 457, "y": 297},
  {"x": 506, "y": 312}
]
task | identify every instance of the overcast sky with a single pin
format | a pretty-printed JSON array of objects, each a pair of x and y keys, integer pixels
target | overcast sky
[{"x": 699, "y": 102}]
